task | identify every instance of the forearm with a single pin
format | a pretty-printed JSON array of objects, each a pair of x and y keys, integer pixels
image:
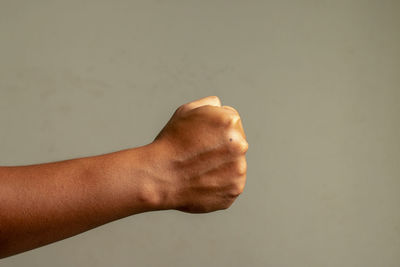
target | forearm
[{"x": 44, "y": 203}]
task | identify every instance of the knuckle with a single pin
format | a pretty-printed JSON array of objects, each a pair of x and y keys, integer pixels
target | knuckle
[
  {"x": 241, "y": 185},
  {"x": 234, "y": 193},
  {"x": 232, "y": 119},
  {"x": 236, "y": 190},
  {"x": 240, "y": 188},
  {"x": 228, "y": 119},
  {"x": 241, "y": 167},
  {"x": 231, "y": 109},
  {"x": 182, "y": 108},
  {"x": 244, "y": 147},
  {"x": 238, "y": 145}
]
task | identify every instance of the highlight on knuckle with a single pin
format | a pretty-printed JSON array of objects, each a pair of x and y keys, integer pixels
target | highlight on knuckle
[
  {"x": 236, "y": 190},
  {"x": 232, "y": 119},
  {"x": 244, "y": 146},
  {"x": 231, "y": 109},
  {"x": 228, "y": 119},
  {"x": 241, "y": 185},
  {"x": 238, "y": 145},
  {"x": 182, "y": 108},
  {"x": 240, "y": 167}
]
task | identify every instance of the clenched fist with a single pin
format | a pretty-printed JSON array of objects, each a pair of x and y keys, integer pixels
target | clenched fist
[{"x": 205, "y": 145}]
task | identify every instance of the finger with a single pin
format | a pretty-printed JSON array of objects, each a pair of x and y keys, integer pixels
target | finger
[
  {"x": 239, "y": 122},
  {"x": 209, "y": 100}
]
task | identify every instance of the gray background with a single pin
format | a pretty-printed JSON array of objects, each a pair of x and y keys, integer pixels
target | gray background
[{"x": 317, "y": 84}]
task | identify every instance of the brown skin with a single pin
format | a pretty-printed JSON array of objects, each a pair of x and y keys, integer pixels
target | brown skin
[{"x": 195, "y": 164}]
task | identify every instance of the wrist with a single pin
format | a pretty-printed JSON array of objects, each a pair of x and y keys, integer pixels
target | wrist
[
  {"x": 129, "y": 181},
  {"x": 151, "y": 164},
  {"x": 162, "y": 175}
]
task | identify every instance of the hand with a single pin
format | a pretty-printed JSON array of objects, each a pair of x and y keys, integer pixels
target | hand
[{"x": 205, "y": 149}]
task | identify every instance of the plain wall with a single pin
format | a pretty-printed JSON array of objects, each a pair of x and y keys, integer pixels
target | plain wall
[{"x": 317, "y": 84}]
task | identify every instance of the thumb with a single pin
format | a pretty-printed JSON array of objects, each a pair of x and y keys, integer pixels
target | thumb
[{"x": 209, "y": 100}]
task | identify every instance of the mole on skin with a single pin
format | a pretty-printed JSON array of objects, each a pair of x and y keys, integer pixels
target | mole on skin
[{"x": 230, "y": 139}]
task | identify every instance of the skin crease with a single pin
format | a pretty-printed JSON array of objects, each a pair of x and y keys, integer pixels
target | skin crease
[{"x": 195, "y": 164}]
